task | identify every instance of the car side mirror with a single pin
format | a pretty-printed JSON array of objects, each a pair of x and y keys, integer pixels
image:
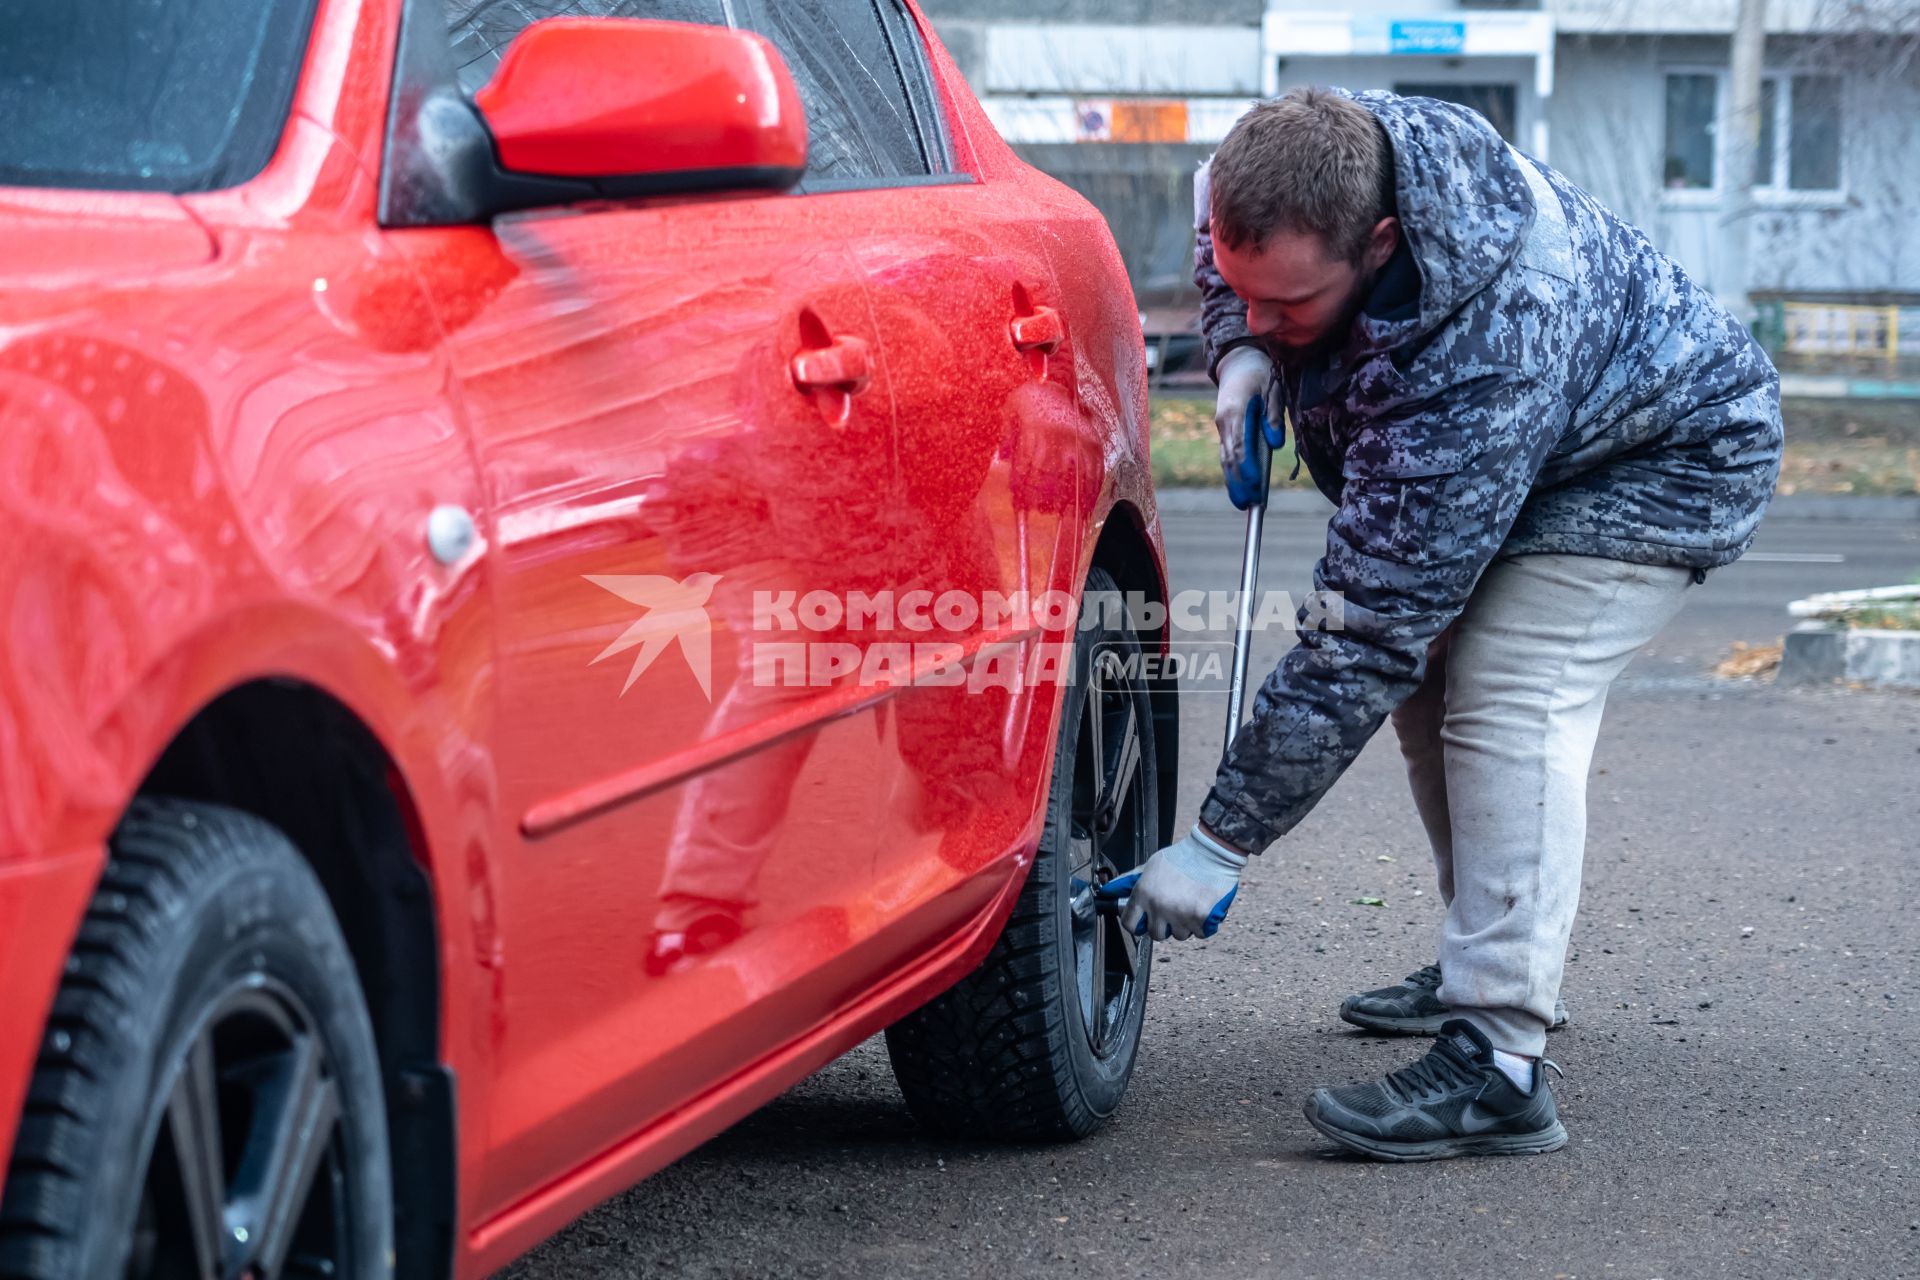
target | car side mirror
[
  {"x": 642, "y": 107},
  {"x": 585, "y": 109}
]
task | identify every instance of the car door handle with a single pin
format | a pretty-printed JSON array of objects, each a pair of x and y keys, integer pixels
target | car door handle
[
  {"x": 1042, "y": 331},
  {"x": 842, "y": 365}
]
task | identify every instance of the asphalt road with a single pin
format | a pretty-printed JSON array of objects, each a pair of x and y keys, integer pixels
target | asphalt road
[{"x": 1741, "y": 1084}]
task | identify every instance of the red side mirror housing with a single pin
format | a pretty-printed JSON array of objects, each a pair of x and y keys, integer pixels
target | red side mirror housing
[{"x": 642, "y": 106}]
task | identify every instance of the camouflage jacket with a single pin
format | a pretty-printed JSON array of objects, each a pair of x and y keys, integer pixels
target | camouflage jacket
[{"x": 1550, "y": 383}]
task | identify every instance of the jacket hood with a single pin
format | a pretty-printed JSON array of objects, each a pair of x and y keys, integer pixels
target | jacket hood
[{"x": 1464, "y": 207}]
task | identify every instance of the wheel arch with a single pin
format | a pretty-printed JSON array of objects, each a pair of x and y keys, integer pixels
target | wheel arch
[
  {"x": 1127, "y": 551},
  {"x": 288, "y": 752}
]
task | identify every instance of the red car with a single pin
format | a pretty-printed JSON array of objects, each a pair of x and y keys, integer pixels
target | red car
[{"x": 455, "y": 473}]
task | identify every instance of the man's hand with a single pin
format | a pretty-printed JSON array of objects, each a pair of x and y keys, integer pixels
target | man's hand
[
  {"x": 1245, "y": 372},
  {"x": 1183, "y": 891}
]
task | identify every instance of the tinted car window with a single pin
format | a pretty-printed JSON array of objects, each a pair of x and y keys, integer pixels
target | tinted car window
[
  {"x": 481, "y": 29},
  {"x": 860, "y": 125},
  {"x": 155, "y": 95}
]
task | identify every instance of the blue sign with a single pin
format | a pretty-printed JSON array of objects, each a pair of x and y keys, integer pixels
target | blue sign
[{"x": 1425, "y": 36}]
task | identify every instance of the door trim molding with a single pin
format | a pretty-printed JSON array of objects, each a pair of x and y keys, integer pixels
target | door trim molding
[{"x": 555, "y": 814}]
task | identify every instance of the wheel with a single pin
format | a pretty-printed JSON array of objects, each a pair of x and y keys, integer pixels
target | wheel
[
  {"x": 207, "y": 1100},
  {"x": 1039, "y": 1041}
]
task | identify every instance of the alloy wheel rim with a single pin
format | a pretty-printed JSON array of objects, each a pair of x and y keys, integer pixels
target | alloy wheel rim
[
  {"x": 244, "y": 1175},
  {"x": 1107, "y": 825}
]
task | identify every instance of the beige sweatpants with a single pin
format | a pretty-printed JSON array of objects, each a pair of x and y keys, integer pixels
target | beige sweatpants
[{"x": 1497, "y": 742}]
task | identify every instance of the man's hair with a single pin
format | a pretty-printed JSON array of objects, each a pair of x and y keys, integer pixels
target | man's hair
[{"x": 1314, "y": 160}]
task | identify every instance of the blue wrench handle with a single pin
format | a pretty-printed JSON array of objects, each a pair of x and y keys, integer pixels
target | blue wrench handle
[
  {"x": 1247, "y": 482},
  {"x": 1273, "y": 429}
]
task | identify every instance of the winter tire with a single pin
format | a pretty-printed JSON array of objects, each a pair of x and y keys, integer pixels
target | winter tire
[{"x": 207, "y": 1099}]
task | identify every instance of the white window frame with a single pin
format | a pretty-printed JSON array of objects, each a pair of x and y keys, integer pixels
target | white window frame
[
  {"x": 1695, "y": 197},
  {"x": 1775, "y": 190},
  {"x": 1774, "y": 194}
]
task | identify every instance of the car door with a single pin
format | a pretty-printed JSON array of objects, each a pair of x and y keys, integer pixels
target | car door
[
  {"x": 995, "y": 473},
  {"x": 671, "y": 405}
]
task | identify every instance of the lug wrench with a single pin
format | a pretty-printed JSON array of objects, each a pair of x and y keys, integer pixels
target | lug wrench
[
  {"x": 1247, "y": 489},
  {"x": 1261, "y": 438}
]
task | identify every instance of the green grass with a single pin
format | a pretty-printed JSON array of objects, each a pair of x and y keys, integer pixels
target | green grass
[
  {"x": 1186, "y": 450},
  {"x": 1890, "y": 617}
]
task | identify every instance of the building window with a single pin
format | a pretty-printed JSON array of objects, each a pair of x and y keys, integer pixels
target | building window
[
  {"x": 1798, "y": 149},
  {"x": 1692, "y": 124},
  {"x": 1804, "y": 110}
]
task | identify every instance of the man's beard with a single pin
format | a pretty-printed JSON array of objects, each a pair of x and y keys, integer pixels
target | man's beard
[{"x": 1307, "y": 355}]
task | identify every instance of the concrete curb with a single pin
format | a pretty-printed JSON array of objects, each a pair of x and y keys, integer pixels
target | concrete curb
[
  {"x": 1816, "y": 654},
  {"x": 1832, "y": 508}
]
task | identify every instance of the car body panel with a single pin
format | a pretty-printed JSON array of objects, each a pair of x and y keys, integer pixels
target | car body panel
[
  {"x": 997, "y": 499},
  {"x": 224, "y": 421},
  {"x": 647, "y": 454},
  {"x": 181, "y": 450},
  {"x": 494, "y": 1243},
  {"x": 1110, "y": 375},
  {"x": 41, "y": 902}
]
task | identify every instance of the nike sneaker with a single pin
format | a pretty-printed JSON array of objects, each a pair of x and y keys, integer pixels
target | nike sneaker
[{"x": 1453, "y": 1102}]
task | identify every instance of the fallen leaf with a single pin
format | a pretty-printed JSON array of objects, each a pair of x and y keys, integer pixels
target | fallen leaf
[
  {"x": 1748, "y": 660},
  {"x": 1369, "y": 902}
]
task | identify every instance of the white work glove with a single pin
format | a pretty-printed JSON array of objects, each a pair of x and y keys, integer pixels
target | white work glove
[
  {"x": 1244, "y": 372},
  {"x": 1183, "y": 891}
]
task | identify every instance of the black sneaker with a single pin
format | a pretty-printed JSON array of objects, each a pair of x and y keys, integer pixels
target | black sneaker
[
  {"x": 1411, "y": 1007},
  {"x": 1453, "y": 1102}
]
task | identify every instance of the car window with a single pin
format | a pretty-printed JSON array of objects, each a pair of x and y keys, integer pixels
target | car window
[
  {"x": 860, "y": 124},
  {"x": 481, "y": 30},
  {"x": 146, "y": 95}
]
